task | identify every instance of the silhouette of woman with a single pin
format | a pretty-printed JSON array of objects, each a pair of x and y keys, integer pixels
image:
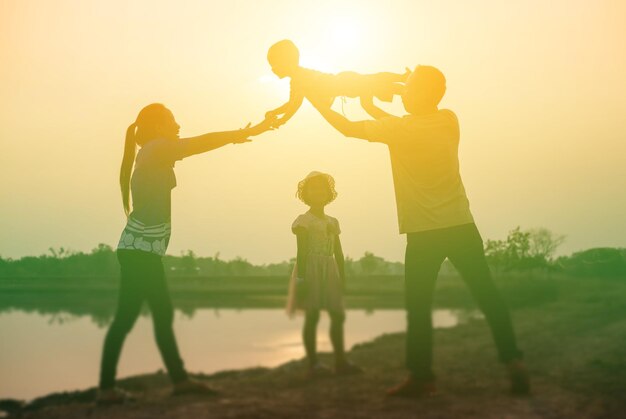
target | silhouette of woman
[{"x": 146, "y": 236}]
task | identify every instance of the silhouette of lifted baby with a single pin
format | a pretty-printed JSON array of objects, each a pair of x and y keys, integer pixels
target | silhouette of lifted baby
[{"x": 284, "y": 58}]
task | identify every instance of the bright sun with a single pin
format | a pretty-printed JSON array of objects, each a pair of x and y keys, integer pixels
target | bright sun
[
  {"x": 340, "y": 38},
  {"x": 336, "y": 41},
  {"x": 344, "y": 33}
]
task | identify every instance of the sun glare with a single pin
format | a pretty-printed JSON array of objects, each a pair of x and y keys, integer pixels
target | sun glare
[
  {"x": 344, "y": 34},
  {"x": 337, "y": 41},
  {"x": 342, "y": 37}
]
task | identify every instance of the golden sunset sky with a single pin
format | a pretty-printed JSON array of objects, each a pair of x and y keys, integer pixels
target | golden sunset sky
[{"x": 539, "y": 88}]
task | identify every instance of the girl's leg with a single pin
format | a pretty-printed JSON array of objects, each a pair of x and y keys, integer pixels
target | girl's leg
[
  {"x": 342, "y": 365},
  {"x": 337, "y": 319},
  {"x": 309, "y": 336},
  {"x": 158, "y": 297},
  {"x": 128, "y": 308}
]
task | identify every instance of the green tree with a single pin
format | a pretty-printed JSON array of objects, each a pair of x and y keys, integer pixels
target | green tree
[
  {"x": 371, "y": 264},
  {"x": 543, "y": 243},
  {"x": 188, "y": 265},
  {"x": 523, "y": 250}
]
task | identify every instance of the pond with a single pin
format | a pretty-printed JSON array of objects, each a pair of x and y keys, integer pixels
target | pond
[{"x": 44, "y": 353}]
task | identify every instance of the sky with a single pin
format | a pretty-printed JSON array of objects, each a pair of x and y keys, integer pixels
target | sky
[{"x": 538, "y": 87}]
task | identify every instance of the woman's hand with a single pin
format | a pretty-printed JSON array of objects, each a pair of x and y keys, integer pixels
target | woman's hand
[
  {"x": 266, "y": 125},
  {"x": 243, "y": 140},
  {"x": 272, "y": 114}
]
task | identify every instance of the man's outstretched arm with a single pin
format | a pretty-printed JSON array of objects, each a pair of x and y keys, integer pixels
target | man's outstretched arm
[
  {"x": 342, "y": 124},
  {"x": 367, "y": 103}
]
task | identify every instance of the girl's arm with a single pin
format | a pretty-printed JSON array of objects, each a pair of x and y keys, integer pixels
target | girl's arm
[
  {"x": 213, "y": 140},
  {"x": 303, "y": 248},
  {"x": 340, "y": 260}
]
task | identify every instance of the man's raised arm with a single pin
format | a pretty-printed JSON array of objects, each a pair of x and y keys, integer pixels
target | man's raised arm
[
  {"x": 367, "y": 103},
  {"x": 342, "y": 124}
]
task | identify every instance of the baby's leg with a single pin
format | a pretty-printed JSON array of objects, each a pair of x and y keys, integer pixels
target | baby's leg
[
  {"x": 381, "y": 85},
  {"x": 309, "y": 335},
  {"x": 387, "y": 77},
  {"x": 385, "y": 85}
]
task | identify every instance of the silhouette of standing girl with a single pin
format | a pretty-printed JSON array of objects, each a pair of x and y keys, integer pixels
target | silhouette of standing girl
[{"x": 318, "y": 278}]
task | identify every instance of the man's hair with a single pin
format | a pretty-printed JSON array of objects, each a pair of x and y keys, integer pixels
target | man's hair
[
  {"x": 284, "y": 51},
  {"x": 425, "y": 86}
]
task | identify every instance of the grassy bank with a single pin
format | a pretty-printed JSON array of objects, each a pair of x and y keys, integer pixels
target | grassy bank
[
  {"x": 96, "y": 296},
  {"x": 574, "y": 346}
]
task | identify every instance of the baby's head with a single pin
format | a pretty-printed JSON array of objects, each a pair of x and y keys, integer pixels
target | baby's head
[
  {"x": 317, "y": 189},
  {"x": 284, "y": 58},
  {"x": 425, "y": 88}
]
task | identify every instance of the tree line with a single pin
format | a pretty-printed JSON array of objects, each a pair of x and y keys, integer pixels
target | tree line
[{"x": 523, "y": 251}]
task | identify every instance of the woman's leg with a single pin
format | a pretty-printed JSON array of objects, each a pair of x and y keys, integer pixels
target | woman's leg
[
  {"x": 337, "y": 320},
  {"x": 128, "y": 308},
  {"x": 309, "y": 335},
  {"x": 158, "y": 298}
]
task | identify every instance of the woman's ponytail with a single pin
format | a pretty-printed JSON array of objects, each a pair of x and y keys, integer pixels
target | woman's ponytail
[{"x": 130, "y": 145}]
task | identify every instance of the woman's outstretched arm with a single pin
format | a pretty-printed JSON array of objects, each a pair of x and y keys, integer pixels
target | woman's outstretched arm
[{"x": 213, "y": 140}]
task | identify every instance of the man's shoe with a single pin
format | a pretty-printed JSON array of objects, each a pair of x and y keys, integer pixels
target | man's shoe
[
  {"x": 192, "y": 387},
  {"x": 520, "y": 383}
]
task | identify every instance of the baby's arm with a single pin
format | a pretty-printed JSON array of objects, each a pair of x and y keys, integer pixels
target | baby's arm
[
  {"x": 287, "y": 110},
  {"x": 291, "y": 108},
  {"x": 278, "y": 111}
]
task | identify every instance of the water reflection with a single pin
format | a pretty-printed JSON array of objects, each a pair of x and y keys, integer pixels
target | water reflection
[
  {"x": 100, "y": 306},
  {"x": 43, "y": 353}
]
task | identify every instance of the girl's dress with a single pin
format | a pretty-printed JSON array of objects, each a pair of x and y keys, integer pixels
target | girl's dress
[{"x": 324, "y": 288}]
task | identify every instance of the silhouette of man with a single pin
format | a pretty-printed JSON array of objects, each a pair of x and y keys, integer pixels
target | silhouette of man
[{"x": 433, "y": 211}]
